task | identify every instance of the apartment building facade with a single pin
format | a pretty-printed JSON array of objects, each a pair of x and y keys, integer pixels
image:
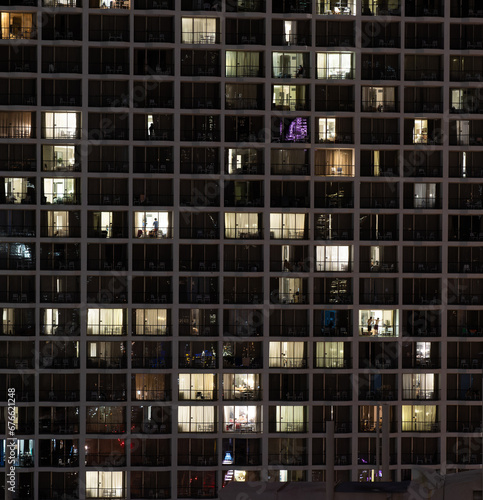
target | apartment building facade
[{"x": 226, "y": 222}]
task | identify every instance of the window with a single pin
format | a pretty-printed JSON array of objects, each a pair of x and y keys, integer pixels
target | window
[
  {"x": 418, "y": 386},
  {"x": 243, "y": 63},
  {"x": 291, "y": 419},
  {"x": 198, "y": 30},
  {"x": 242, "y": 418},
  {"x": 334, "y": 161},
  {"x": 196, "y": 419},
  {"x": 327, "y": 131},
  {"x": 105, "y": 484},
  {"x": 329, "y": 355},
  {"x": 425, "y": 195},
  {"x": 378, "y": 98},
  {"x": 151, "y": 322},
  {"x": 290, "y": 64},
  {"x": 241, "y": 385},
  {"x": 145, "y": 226},
  {"x": 420, "y": 131},
  {"x": 419, "y": 418},
  {"x": 283, "y": 226},
  {"x": 388, "y": 324},
  {"x": 335, "y": 65},
  {"x": 333, "y": 258},
  {"x": 17, "y": 25},
  {"x": 58, "y": 158},
  {"x": 242, "y": 225},
  {"x": 61, "y": 125},
  {"x": 197, "y": 386},
  {"x": 105, "y": 322},
  {"x": 287, "y": 354},
  {"x": 59, "y": 190},
  {"x": 151, "y": 386}
]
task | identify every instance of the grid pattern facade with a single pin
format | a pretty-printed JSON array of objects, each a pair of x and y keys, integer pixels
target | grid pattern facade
[{"x": 226, "y": 222}]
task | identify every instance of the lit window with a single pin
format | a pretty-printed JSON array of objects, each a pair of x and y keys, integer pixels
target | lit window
[
  {"x": 333, "y": 258},
  {"x": 335, "y": 65},
  {"x": 61, "y": 125},
  {"x": 105, "y": 321},
  {"x": 105, "y": 484},
  {"x": 329, "y": 355},
  {"x": 198, "y": 30}
]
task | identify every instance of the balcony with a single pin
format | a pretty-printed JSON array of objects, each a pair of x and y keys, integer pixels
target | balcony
[{"x": 423, "y": 43}]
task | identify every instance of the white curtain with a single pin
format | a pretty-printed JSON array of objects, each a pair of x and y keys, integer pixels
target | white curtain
[
  {"x": 105, "y": 484},
  {"x": 196, "y": 418},
  {"x": 418, "y": 385},
  {"x": 290, "y": 418},
  {"x": 418, "y": 417},
  {"x": 286, "y": 354},
  {"x": 151, "y": 321},
  {"x": 332, "y": 258},
  {"x": 191, "y": 384},
  {"x": 104, "y": 321},
  {"x": 329, "y": 354}
]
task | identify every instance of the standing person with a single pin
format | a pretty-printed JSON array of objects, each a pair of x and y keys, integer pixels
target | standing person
[
  {"x": 144, "y": 227},
  {"x": 376, "y": 326},
  {"x": 300, "y": 71},
  {"x": 155, "y": 227},
  {"x": 370, "y": 322},
  {"x": 151, "y": 130}
]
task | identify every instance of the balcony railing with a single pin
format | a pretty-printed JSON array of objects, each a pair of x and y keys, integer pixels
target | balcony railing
[
  {"x": 244, "y": 103},
  {"x": 378, "y": 267},
  {"x": 113, "y": 35},
  {"x": 152, "y": 36},
  {"x": 289, "y": 169},
  {"x": 423, "y": 107},
  {"x": 333, "y": 298},
  {"x": 384, "y": 107},
  {"x": 195, "y": 395},
  {"x": 243, "y": 233},
  {"x": 465, "y": 76},
  {"x": 422, "y": 267},
  {"x": 414, "y": 426},
  {"x": 242, "y": 298},
  {"x": 244, "y": 201},
  {"x": 197, "y": 135},
  {"x": 198, "y": 460},
  {"x": 199, "y": 233},
  {"x": 59, "y": 395},
  {"x": 380, "y": 202},
  {"x": 379, "y": 138},
  {"x": 65, "y": 297},
  {"x": 334, "y": 331},
  {"x": 332, "y": 362},
  {"x": 240, "y": 71},
  {"x": 329, "y": 235},
  {"x": 378, "y": 395},
  {"x": 422, "y": 43},
  {"x": 200, "y": 37},
  {"x": 422, "y": 235},
  {"x": 202, "y": 103},
  {"x": 204, "y": 70},
  {"x": 334, "y": 105},
  {"x": 147, "y": 167},
  {"x": 419, "y": 394},
  {"x": 201, "y": 330},
  {"x": 240, "y": 38},
  {"x": 238, "y": 265},
  {"x": 330, "y": 201},
  {"x": 423, "y": 75},
  {"x": 58, "y": 362}
]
